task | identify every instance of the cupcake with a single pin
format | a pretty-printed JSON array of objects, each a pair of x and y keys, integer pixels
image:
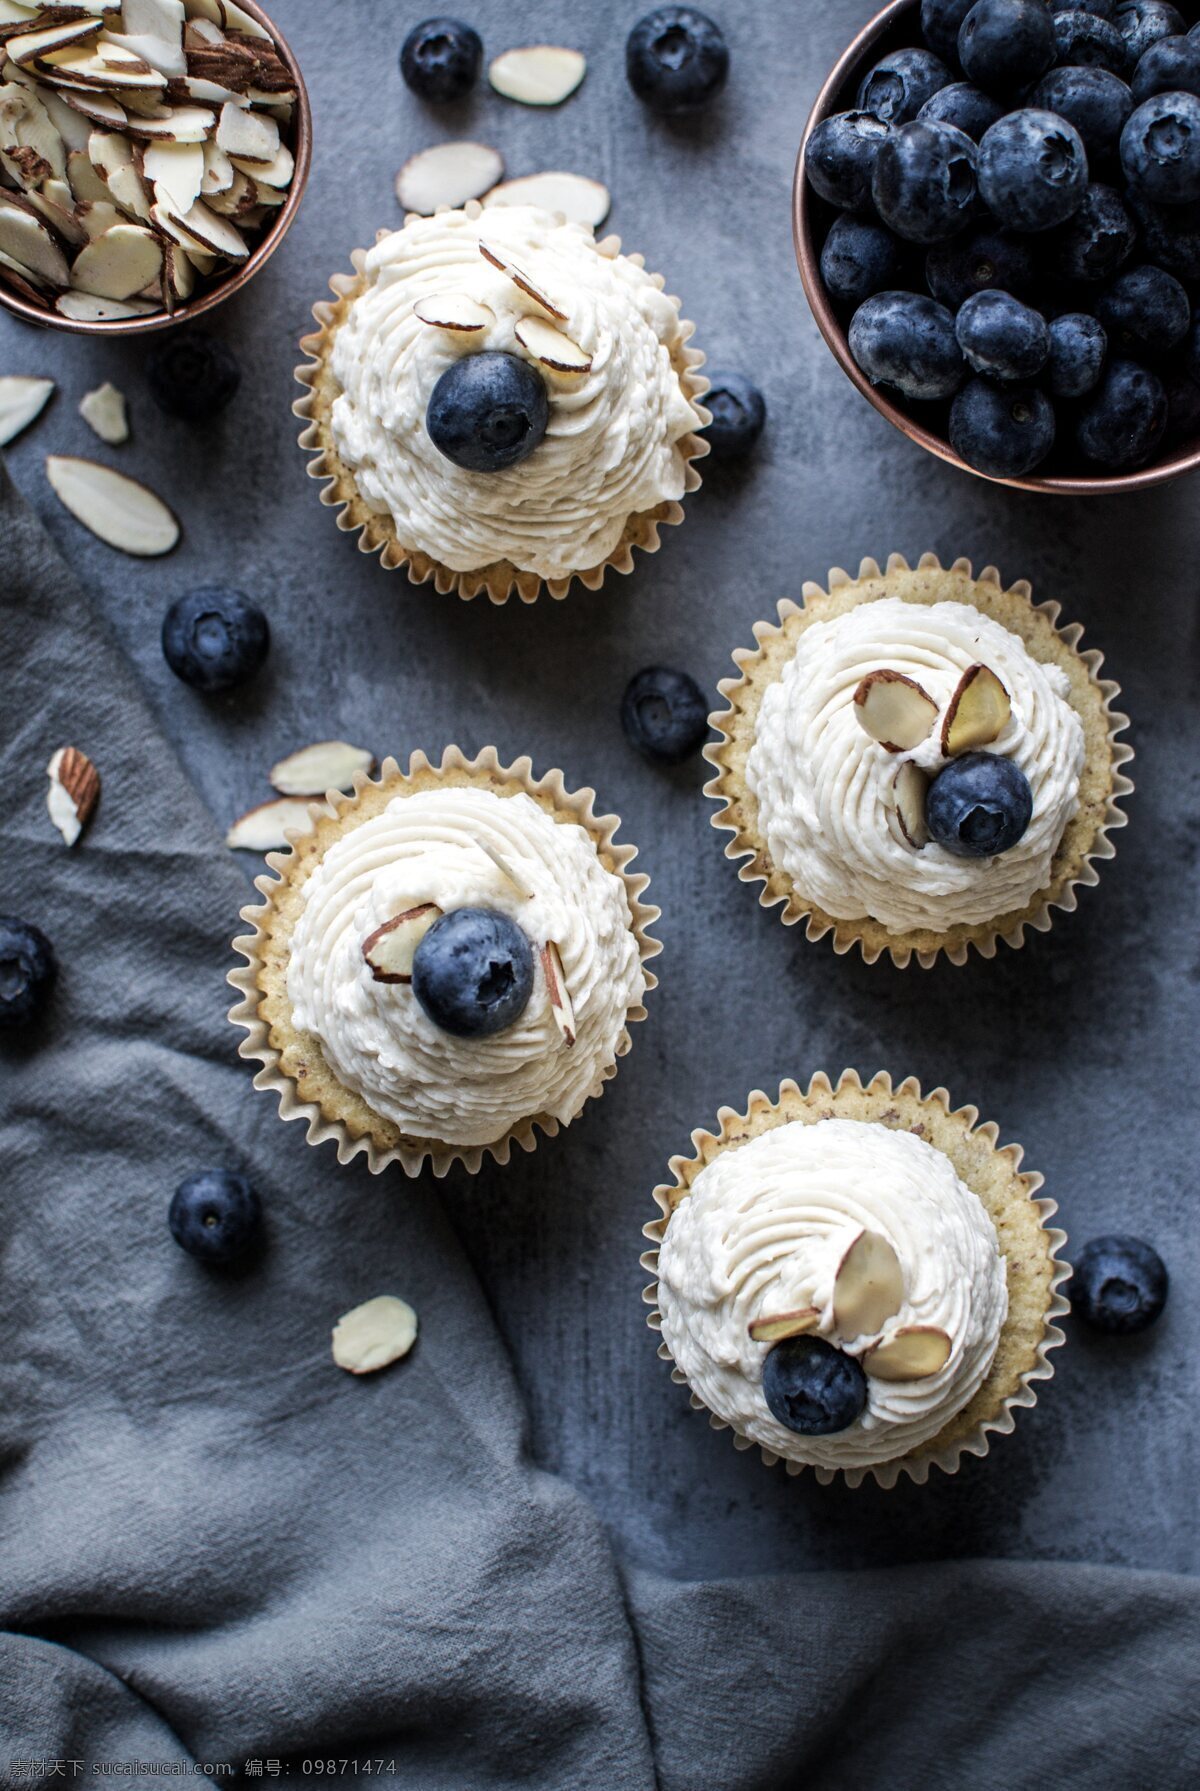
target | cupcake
[
  {"x": 450, "y": 959},
  {"x": 499, "y": 402},
  {"x": 870, "y": 1295},
  {"x": 919, "y": 762}
]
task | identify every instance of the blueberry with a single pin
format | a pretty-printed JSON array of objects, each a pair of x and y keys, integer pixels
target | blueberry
[
  {"x": 473, "y": 972},
  {"x": 1077, "y": 349},
  {"x": 28, "y": 968},
  {"x": 839, "y": 158},
  {"x": 859, "y": 258},
  {"x": 1125, "y": 419},
  {"x": 676, "y": 59},
  {"x": 924, "y": 182},
  {"x": 1032, "y": 170},
  {"x": 1092, "y": 245},
  {"x": 813, "y": 1388},
  {"x": 981, "y": 258},
  {"x": 906, "y": 341},
  {"x": 1183, "y": 408},
  {"x": 1095, "y": 101},
  {"x": 1002, "y": 337},
  {"x": 940, "y": 23},
  {"x": 1004, "y": 45},
  {"x": 192, "y": 375},
  {"x": 215, "y": 1215},
  {"x": 1160, "y": 149},
  {"x": 738, "y": 415},
  {"x": 1171, "y": 237},
  {"x": 1119, "y": 1284},
  {"x": 1145, "y": 311},
  {"x": 440, "y": 59},
  {"x": 1083, "y": 41},
  {"x": 487, "y": 411},
  {"x": 1143, "y": 22},
  {"x": 664, "y": 715},
  {"x": 214, "y": 638},
  {"x": 899, "y": 84},
  {"x": 1003, "y": 431},
  {"x": 1172, "y": 65},
  {"x": 969, "y": 109},
  {"x": 978, "y": 805}
]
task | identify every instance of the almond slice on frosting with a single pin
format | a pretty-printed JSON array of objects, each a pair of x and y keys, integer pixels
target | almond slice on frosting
[
  {"x": 775, "y": 1326},
  {"x": 912, "y": 1353},
  {"x": 329, "y": 765},
  {"x": 447, "y": 174},
  {"x": 561, "y": 1005},
  {"x": 454, "y": 311},
  {"x": 21, "y": 401},
  {"x": 978, "y": 712},
  {"x": 894, "y": 710},
  {"x": 580, "y": 200},
  {"x": 389, "y": 951},
  {"x": 506, "y": 869},
  {"x": 910, "y": 787},
  {"x": 868, "y": 1288},
  {"x": 114, "y": 507},
  {"x": 537, "y": 74},
  {"x": 74, "y": 791},
  {"x": 520, "y": 279},
  {"x": 551, "y": 347}
]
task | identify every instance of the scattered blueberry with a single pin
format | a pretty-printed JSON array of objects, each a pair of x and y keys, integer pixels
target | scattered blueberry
[
  {"x": 1081, "y": 40},
  {"x": 1143, "y": 22},
  {"x": 214, "y": 638},
  {"x": 1171, "y": 237},
  {"x": 738, "y": 414},
  {"x": 676, "y": 59},
  {"x": 924, "y": 181},
  {"x": 192, "y": 375},
  {"x": 473, "y": 972},
  {"x": 899, "y": 85},
  {"x": 978, "y": 805},
  {"x": 1003, "y": 431},
  {"x": 940, "y": 24},
  {"x": 1004, "y": 45},
  {"x": 487, "y": 411},
  {"x": 1183, "y": 408},
  {"x": 1002, "y": 337},
  {"x": 215, "y": 1215},
  {"x": 858, "y": 258},
  {"x": 969, "y": 109},
  {"x": 1077, "y": 349},
  {"x": 1093, "y": 243},
  {"x": 1172, "y": 65},
  {"x": 1119, "y": 1284},
  {"x": 1125, "y": 418},
  {"x": 440, "y": 59},
  {"x": 1145, "y": 311},
  {"x": 839, "y": 157},
  {"x": 813, "y": 1388},
  {"x": 1160, "y": 149},
  {"x": 906, "y": 341},
  {"x": 1033, "y": 170},
  {"x": 1095, "y": 101},
  {"x": 27, "y": 971},
  {"x": 982, "y": 258},
  {"x": 664, "y": 715}
]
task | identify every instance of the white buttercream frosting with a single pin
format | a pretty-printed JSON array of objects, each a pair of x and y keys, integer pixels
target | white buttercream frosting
[
  {"x": 612, "y": 446},
  {"x": 376, "y": 1037},
  {"x": 825, "y": 788},
  {"x": 763, "y": 1231}
]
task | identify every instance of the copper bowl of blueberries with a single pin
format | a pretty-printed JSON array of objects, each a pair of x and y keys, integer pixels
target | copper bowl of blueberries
[{"x": 997, "y": 222}]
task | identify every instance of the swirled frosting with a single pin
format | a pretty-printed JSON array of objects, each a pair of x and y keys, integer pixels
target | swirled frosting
[
  {"x": 612, "y": 444},
  {"x": 763, "y": 1231},
  {"x": 825, "y": 788},
  {"x": 376, "y": 1037}
]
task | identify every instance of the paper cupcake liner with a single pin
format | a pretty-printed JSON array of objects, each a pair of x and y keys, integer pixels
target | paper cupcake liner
[
  {"x": 265, "y": 1013},
  {"x": 1086, "y": 839},
  {"x": 970, "y": 1146},
  {"x": 377, "y": 534}
]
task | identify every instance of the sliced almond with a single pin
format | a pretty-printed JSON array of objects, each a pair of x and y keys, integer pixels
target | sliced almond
[
  {"x": 131, "y": 192},
  {"x": 31, "y": 287},
  {"x": 978, "y": 712},
  {"x": 21, "y": 400},
  {"x": 98, "y": 215},
  {"x": 173, "y": 124},
  {"x": 391, "y": 948},
  {"x": 178, "y": 275},
  {"x": 235, "y": 18},
  {"x": 249, "y": 135},
  {"x": 84, "y": 307},
  {"x": 909, "y": 790},
  {"x": 114, "y": 507},
  {"x": 88, "y": 183},
  {"x": 218, "y": 170},
  {"x": 551, "y": 347},
  {"x": 454, "y": 311},
  {"x": 29, "y": 45},
  {"x": 101, "y": 108},
  {"x": 537, "y": 74},
  {"x": 266, "y": 828},
  {"x": 448, "y": 174},
  {"x": 74, "y": 791},
  {"x": 506, "y": 870},
  {"x": 868, "y": 1288},
  {"x": 561, "y": 1005},
  {"x": 275, "y": 173},
  {"x": 70, "y": 124},
  {"x": 175, "y": 171},
  {"x": 500, "y": 259},
  {"x": 894, "y": 710},
  {"x": 774, "y": 1327},
  {"x": 329, "y": 765},
  {"x": 108, "y": 151},
  {"x": 26, "y": 167},
  {"x": 912, "y": 1353},
  {"x": 580, "y": 200},
  {"x": 204, "y": 227},
  {"x": 106, "y": 67},
  {"x": 376, "y": 1333},
  {"x": 29, "y": 241},
  {"x": 118, "y": 263},
  {"x": 104, "y": 411}
]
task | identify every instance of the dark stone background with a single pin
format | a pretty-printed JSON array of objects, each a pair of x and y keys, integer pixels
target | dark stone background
[{"x": 1079, "y": 1045}]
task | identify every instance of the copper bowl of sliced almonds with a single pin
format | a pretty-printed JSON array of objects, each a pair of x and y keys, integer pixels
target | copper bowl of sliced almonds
[{"x": 153, "y": 154}]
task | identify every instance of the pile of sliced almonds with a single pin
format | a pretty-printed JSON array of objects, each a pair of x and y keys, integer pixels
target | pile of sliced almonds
[{"x": 142, "y": 145}]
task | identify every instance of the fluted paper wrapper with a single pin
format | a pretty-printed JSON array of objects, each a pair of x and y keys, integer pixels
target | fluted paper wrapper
[
  {"x": 1030, "y": 1246},
  {"x": 377, "y": 533},
  {"x": 287, "y": 1056},
  {"x": 1086, "y": 840}
]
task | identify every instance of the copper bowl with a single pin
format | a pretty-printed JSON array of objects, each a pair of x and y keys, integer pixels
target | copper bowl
[
  {"x": 300, "y": 145},
  {"x": 898, "y": 24}
]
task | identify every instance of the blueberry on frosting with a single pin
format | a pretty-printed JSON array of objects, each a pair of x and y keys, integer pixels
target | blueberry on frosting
[
  {"x": 979, "y": 805},
  {"x": 487, "y": 412},
  {"x": 813, "y": 1388},
  {"x": 473, "y": 972}
]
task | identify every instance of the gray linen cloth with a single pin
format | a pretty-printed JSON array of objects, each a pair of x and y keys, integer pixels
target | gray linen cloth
[{"x": 217, "y": 1548}]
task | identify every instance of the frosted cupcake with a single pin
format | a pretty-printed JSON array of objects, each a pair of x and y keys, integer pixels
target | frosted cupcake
[
  {"x": 919, "y": 761},
  {"x": 866, "y": 1295},
  {"x": 448, "y": 961},
  {"x": 500, "y": 402}
]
